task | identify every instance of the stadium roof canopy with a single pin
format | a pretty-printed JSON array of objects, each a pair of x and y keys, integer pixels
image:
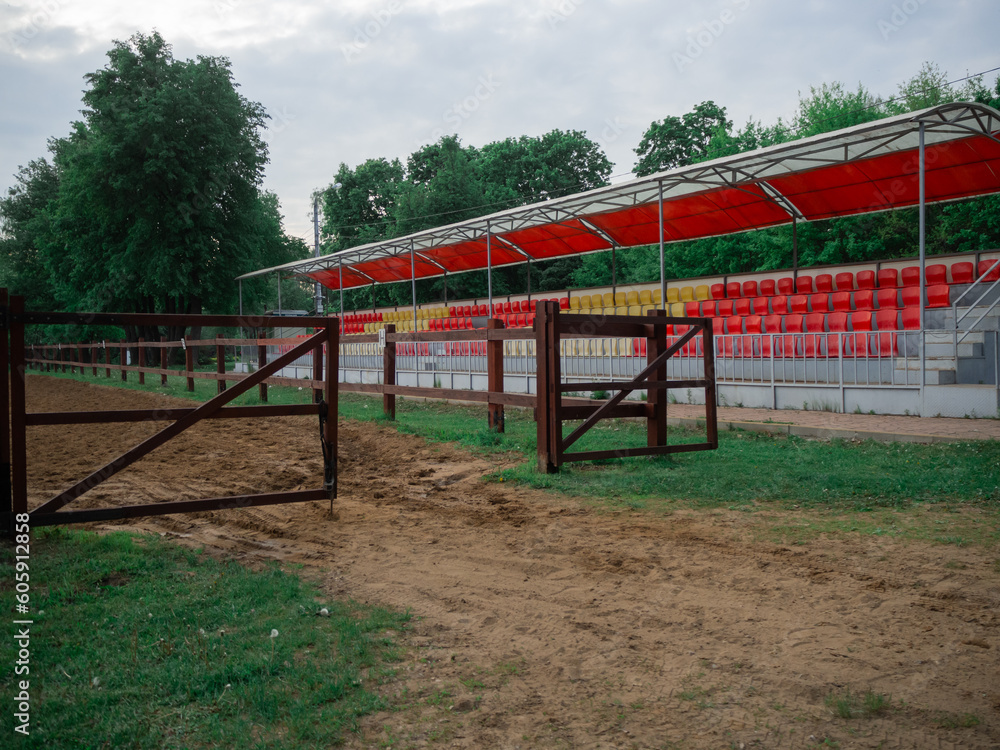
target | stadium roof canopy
[{"x": 865, "y": 168}]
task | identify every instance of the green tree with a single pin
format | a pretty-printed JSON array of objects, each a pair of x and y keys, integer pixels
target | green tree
[
  {"x": 159, "y": 202},
  {"x": 363, "y": 208},
  {"x": 679, "y": 141}
]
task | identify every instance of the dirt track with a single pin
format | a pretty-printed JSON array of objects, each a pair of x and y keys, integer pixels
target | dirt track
[{"x": 542, "y": 623}]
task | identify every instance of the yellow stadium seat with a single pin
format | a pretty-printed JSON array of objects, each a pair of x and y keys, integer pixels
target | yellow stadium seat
[
  {"x": 673, "y": 295},
  {"x": 632, "y": 298},
  {"x": 658, "y": 297},
  {"x": 574, "y": 303},
  {"x": 647, "y": 308},
  {"x": 687, "y": 293},
  {"x": 634, "y": 310},
  {"x": 607, "y": 299},
  {"x": 702, "y": 292},
  {"x": 645, "y": 297},
  {"x": 620, "y": 299},
  {"x": 677, "y": 309},
  {"x": 623, "y": 310}
]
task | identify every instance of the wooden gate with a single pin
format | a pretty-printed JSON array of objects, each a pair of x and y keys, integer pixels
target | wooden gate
[
  {"x": 13, "y": 449},
  {"x": 552, "y": 327}
]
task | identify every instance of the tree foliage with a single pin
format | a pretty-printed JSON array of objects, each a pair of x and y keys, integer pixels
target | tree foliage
[{"x": 153, "y": 202}]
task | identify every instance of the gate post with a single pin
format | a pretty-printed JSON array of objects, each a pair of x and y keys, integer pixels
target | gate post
[
  {"x": 220, "y": 365},
  {"x": 142, "y": 360},
  {"x": 332, "y": 401},
  {"x": 711, "y": 418},
  {"x": 656, "y": 398},
  {"x": 189, "y": 366},
  {"x": 261, "y": 361},
  {"x": 317, "y": 356},
  {"x": 494, "y": 375},
  {"x": 163, "y": 361},
  {"x": 107, "y": 359},
  {"x": 547, "y": 380},
  {"x": 389, "y": 374}
]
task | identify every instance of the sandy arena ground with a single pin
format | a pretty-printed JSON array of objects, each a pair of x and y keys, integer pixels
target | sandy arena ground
[{"x": 540, "y": 622}]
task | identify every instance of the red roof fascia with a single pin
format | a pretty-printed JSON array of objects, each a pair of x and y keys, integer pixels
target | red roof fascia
[{"x": 555, "y": 240}]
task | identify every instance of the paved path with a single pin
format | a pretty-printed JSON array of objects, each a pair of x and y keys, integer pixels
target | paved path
[{"x": 828, "y": 424}]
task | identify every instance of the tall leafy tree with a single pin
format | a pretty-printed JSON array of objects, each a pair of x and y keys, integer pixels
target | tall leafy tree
[
  {"x": 679, "y": 141},
  {"x": 361, "y": 205},
  {"x": 159, "y": 202}
]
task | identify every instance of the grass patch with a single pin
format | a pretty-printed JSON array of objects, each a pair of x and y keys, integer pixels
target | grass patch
[
  {"x": 848, "y": 705},
  {"x": 141, "y": 644},
  {"x": 957, "y": 721}
]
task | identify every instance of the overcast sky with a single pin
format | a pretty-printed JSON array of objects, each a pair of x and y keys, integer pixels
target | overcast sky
[{"x": 354, "y": 79}]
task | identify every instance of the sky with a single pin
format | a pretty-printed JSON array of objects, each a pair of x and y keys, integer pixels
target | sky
[{"x": 351, "y": 80}]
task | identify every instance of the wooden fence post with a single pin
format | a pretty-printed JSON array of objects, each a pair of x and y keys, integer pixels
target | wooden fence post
[
  {"x": 494, "y": 375},
  {"x": 93, "y": 357},
  {"x": 656, "y": 398},
  {"x": 220, "y": 365},
  {"x": 711, "y": 417},
  {"x": 62, "y": 357},
  {"x": 317, "y": 371},
  {"x": 189, "y": 366},
  {"x": 389, "y": 374},
  {"x": 547, "y": 377},
  {"x": 107, "y": 359},
  {"x": 163, "y": 361},
  {"x": 123, "y": 358},
  {"x": 332, "y": 398},
  {"x": 142, "y": 360},
  {"x": 261, "y": 361}
]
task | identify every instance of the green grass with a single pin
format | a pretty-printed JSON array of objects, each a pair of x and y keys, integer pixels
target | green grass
[
  {"x": 748, "y": 468},
  {"x": 848, "y": 705},
  {"x": 141, "y": 644}
]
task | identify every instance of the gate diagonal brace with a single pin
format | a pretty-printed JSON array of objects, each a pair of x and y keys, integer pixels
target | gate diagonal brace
[{"x": 635, "y": 385}]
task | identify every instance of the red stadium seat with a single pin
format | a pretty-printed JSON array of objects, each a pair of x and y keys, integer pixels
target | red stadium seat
[
  {"x": 865, "y": 279},
  {"x": 760, "y": 305},
  {"x": 804, "y": 285},
  {"x": 786, "y": 285},
  {"x": 888, "y": 277},
  {"x": 741, "y": 306},
  {"x": 824, "y": 283},
  {"x": 887, "y": 298},
  {"x": 692, "y": 309},
  {"x": 991, "y": 268},
  {"x": 751, "y": 342},
  {"x": 508, "y": 308},
  {"x": 718, "y": 291},
  {"x": 911, "y": 296},
  {"x": 708, "y": 308},
  {"x": 864, "y": 299},
  {"x": 863, "y": 343},
  {"x": 467, "y": 311},
  {"x": 937, "y": 273},
  {"x": 962, "y": 273},
  {"x": 799, "y": 304},
  {"x": 845, "y": 281},
  {"x": 724, "y": 308},
  {"x": 910, "y": 276},
  {"x": 836, "y": 323},
  {"x": 840, "y": 301},
  {"x": 519, "y": 321},
  {"x": 733, "y": 289},
  {"x": 779, "y": 305},
  {"x": 534, "y": 303},
  {"x": 529, "y": 320},
  {"x": 564, "y": 303},
  {"x": 498, "y": 309},
  {"x": 749, "y": 289},
  {"x": 911, "y": 318},
  {"x": 811, "y": 342},
  {"x": 772, "y": 325},
  {"x": 819, "y": 303},
  {"x": 888, "y": 344},
  {"x": 791, "y": 345},
  {"x": 939, "y": 296},
  {"x": 768, "y": 288}
]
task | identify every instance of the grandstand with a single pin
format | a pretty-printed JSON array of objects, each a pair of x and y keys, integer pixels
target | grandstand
[{"x": 898, "y": 337}]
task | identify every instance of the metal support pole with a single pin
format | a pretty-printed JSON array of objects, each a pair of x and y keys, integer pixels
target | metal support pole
[
  {"x": 413, "y": 284},
  {"x": 613, "y": 276},
  {"x": 318, "y": 286},
  {"x": 529, "y": 279},
  {"x": 795, "y": 249},
  {"x": 341, "y": 284},
  {"x": 489, "y": 270},
  {"x": 923, "y": 261},
  {"x": 663, "y": 266}
]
